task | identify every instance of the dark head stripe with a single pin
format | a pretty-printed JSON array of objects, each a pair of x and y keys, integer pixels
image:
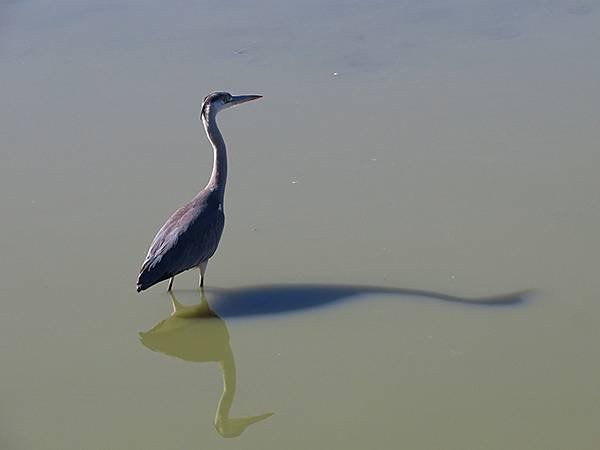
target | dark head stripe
[{"x": 209, "y": 99}]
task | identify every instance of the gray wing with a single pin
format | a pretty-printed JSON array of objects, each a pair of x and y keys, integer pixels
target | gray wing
[{"x": 190, "y": 236}]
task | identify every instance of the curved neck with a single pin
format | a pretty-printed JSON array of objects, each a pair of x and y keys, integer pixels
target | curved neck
[{"x": 218, "y": 177}]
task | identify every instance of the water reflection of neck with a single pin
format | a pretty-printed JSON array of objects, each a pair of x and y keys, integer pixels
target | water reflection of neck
[
  {"x": 228, "y": 426},
  {"x": 229, "y": 386}
]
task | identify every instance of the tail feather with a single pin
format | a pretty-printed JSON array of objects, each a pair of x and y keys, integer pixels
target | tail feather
[{"x": 149, "y": 277}]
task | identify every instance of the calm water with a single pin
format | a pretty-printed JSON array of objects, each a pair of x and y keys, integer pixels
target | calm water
[{"x": 410, "y": 258}]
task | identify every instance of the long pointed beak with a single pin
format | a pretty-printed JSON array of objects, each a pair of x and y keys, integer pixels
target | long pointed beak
[{"x": 239, "y": 99}]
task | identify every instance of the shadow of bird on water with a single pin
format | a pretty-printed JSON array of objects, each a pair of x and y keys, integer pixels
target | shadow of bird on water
[
  {"x": 290, "y": 298},
  {"x": 195, "y": 333}
]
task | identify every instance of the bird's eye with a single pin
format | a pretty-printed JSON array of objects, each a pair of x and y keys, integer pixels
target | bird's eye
[{"x": 228, "y": 99}]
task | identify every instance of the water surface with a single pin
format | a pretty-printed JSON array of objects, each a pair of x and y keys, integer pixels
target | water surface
[{"x": 409, "y": 162}]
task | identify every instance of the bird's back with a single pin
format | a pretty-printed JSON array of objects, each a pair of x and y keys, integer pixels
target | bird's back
[{"x": 189, "y": 237}]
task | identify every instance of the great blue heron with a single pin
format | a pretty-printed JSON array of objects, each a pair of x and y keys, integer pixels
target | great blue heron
[{"x": 191, "y": 235}]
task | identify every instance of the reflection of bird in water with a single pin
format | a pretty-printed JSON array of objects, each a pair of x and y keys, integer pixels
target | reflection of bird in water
[
  {"x": 191, "y": 235},
  {"x": 195, "y": 333}
]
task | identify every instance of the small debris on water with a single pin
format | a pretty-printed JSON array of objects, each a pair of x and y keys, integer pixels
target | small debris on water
[
  {"x": 336, "y": 74},
  {"x": 293, "y": 181}
]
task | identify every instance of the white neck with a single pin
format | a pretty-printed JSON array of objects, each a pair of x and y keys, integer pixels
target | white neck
[{"x": 218, "y": 177}]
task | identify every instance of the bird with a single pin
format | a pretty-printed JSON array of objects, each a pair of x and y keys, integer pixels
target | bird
[{"x": 190, "y": 237}]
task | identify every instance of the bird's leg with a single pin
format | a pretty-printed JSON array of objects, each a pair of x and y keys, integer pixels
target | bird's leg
[
  {"x": 202, "y": 267},
  {"x": 170, "y": 284}
]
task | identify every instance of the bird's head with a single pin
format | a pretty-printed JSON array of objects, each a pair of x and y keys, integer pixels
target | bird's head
[{"x": 218, "y": 101}]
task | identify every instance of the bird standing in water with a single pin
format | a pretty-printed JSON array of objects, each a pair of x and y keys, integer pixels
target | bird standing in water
[{"x": 191, "y": 235}]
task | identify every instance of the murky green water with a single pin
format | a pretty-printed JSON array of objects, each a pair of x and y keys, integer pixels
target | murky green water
[{"x": 411, "y": 251}]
